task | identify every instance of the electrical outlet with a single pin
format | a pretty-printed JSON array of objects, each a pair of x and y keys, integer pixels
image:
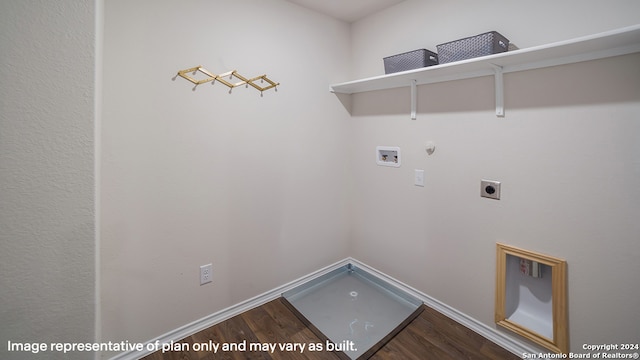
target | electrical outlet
[
  {"x": 206, "y": 274},
  {"x": 490, "y": 189}
]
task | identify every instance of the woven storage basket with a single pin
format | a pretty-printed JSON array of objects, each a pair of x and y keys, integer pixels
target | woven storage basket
[
  {"x": 474, "y": 46},
  {"x": 410, "y": 60}
]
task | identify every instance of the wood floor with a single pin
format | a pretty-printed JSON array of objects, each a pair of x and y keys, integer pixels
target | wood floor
[{"x": 431, "y": 335}]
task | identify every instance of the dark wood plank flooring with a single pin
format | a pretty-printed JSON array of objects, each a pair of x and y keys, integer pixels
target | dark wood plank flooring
[{"x": 431, "y": 335}]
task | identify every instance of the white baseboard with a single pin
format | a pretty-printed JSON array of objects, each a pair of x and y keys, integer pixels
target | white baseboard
[
  {"x": 225, "y": 314},
  {"x": 507, "y": 342}
]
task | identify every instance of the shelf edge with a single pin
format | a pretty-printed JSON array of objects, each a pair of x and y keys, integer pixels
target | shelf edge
[{"x": 595, "y": 46}]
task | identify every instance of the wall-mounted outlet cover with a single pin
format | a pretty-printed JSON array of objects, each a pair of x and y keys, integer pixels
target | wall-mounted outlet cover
[
  {"x": 418, "y": 177},
  {"x": 388, "y": 156},
  {"x": 490, "y": 189},
  {"x": 206, "y": 274}
]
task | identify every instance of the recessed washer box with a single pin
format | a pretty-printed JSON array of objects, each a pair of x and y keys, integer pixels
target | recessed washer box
[{"x": 388, "y": 156}]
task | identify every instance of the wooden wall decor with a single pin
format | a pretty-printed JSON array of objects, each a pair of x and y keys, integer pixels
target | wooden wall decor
[{"x": 211, "y": 77}]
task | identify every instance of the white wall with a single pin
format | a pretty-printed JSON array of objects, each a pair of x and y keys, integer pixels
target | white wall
[
  {"x": 46, "y": 173},
  {"x": 566, "y": 152},
  {"x": 255, "y": 185}
]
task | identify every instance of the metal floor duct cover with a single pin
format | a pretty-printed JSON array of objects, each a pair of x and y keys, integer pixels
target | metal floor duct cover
[{"x": 356, "y": 312}]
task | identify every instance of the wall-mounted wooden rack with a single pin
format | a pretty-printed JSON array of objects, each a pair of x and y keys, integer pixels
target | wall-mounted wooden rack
[
  {"x": 607, "y": 44},
  {"x": 211, "y": 77}
]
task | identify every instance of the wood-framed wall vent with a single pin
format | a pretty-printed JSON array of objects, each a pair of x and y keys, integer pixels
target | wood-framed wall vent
[{"x": 531, "y": 296}]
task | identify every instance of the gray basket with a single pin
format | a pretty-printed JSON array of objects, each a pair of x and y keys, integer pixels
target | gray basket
[
  {"x": 474, "y": 46},
  {"x": 410, "y": 60}
]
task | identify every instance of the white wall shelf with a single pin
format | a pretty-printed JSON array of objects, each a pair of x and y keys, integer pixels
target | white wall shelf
[{"x": 607, "y": 44}]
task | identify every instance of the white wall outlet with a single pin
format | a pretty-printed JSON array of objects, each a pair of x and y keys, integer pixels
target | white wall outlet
[
  {"x": 418, "y": 177},
  {"x": 206, "y": 274},
  {"x": 388, "y": 156}
]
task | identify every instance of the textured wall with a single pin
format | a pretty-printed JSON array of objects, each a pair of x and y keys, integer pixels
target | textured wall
[{"x": 46, "y": 172}]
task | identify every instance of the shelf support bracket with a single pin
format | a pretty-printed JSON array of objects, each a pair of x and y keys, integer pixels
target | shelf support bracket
[
  {"x": 414, "y": 99},
  {"x": 499, "y": 85}
]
